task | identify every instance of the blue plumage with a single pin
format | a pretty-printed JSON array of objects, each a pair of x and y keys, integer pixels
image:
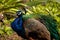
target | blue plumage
[{"x": 17, "y": 25}]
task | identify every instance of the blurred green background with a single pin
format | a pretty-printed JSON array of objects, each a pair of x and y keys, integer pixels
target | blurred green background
[{"x": 45, "y": 7}]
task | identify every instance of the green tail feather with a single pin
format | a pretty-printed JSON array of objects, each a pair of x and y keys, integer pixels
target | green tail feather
[{"x": 51, "y": 26}]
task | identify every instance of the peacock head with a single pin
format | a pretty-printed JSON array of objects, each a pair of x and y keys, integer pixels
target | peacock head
[{"x": 19, "y": 13}]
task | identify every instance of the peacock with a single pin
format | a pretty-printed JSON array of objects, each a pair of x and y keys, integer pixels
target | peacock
[{"x": 35, "y": 26}]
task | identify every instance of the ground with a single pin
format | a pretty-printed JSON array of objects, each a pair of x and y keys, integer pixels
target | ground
[{"x": 14, "y": 36}]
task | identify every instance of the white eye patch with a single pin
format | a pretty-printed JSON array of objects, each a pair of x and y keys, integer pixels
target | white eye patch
[{"x": 19, "y": 13}]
